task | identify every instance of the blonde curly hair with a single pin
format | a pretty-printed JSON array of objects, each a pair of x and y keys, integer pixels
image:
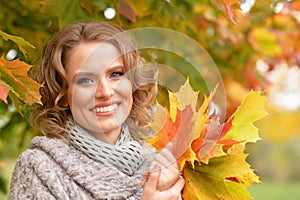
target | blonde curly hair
[{"x": 50, "y": 117}]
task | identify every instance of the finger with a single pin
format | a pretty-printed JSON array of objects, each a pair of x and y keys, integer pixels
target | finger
[
  {"x": 163, "y": 161},
  {"x": 178, "y": 186},
  {"x": 167, "y": 153},
  {"x": 154, "y": 164},
  {"x": 175, "y": 191},
  {"x": 153, "y": 178}
]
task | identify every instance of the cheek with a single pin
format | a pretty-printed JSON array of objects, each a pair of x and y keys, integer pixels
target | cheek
[
  {"x": 79, "y": 96},
  {"x": 130, "y": 102},
  {"x": 129, "y": 98},
  {"x": 125, "y": 91}
]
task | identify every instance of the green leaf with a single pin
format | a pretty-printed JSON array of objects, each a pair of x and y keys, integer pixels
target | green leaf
[
  {"x": 18, "y": 40},
  {"x": 66, "y": 11},
  {"x": 212, "y": 181}
]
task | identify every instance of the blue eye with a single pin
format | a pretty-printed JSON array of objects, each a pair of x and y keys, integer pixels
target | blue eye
[
  {"x": 85, "y": 81},
  {"x": 116, "y": 74}
]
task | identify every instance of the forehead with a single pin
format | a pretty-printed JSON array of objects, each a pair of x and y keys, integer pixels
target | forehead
[{"x": 87, "y": 55}]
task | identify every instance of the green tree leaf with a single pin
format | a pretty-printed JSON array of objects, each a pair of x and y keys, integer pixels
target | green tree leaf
[
  {"x": 212, "y": 181},
  {"x": 66, "y": 11},
  {"x": 18, "y": 40}
]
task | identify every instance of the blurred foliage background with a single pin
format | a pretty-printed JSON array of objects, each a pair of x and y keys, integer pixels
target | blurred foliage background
[{"x": 254, "y": 43}]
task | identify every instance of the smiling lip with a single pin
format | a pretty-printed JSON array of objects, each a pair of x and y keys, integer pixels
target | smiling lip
[{"x": 103, "y": 110}]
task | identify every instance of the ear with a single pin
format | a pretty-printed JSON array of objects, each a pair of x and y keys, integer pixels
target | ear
[{"x": 65, "y": 102}]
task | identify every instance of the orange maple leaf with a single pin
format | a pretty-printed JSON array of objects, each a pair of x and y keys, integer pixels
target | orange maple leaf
[{"x": 14, "y": 75}]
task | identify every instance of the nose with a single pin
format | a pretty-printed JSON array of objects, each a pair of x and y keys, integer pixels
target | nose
[{"x": 104, "y": 88}]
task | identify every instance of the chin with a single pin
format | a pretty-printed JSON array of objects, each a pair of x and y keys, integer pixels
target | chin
[{"x": 108, "y": 127}]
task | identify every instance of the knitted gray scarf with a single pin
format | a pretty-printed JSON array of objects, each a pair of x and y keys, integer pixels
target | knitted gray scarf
[{"x": 125, "y": 154}]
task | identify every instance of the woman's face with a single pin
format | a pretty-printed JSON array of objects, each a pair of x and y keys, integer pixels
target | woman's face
[{"x": 99, "y": 93}]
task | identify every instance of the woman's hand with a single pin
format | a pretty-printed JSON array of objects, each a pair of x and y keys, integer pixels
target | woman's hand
[
  {"x": 165, "y": 161},
  {"x": 152, "y": 193},
  {"x": 164, "y": 181}
]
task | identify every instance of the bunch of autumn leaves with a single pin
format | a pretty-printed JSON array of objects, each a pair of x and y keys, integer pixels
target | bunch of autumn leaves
[{"x": 211, "y": 155}]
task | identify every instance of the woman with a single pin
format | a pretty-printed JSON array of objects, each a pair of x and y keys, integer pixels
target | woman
[{"x": 97, "y": 99}]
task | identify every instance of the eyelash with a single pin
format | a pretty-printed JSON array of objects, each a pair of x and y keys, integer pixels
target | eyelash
[
  {"x": 116, "y": 74},
  {"x": 87, "y": 81},
  {"x": 84, "y": 81}
]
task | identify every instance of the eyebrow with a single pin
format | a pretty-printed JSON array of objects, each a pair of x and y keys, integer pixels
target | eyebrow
[
  {"x": 82, "y": 73},
  {"x": 115, "y": 67},
  {"x": 87, "y": 73}
]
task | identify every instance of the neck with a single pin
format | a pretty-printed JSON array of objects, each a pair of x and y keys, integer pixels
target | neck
[{"x": 107, "y": 137}]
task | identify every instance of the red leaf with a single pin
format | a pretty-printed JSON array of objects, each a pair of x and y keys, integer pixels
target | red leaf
[
  {"x": 234, "y": 179},
  {"x": 125, "y": 9},
  {"x": 179, "y": 132},
  {"x": 167, "y": 133},
  {"x": 185, "y": 134},
  {"x": 197, "y": 144},
  {"x": 210, "y": 134},
  {"x": 229, "y": 12},
  {"x": 4, "y": 93},
  {"x": 226, "y": 127},
  {"x": 87, "y": 8}
]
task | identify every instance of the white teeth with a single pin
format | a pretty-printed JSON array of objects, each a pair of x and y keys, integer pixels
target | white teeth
[{"x": 106, "y": 109}]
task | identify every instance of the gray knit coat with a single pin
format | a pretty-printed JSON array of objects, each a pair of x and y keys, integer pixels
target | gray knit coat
[{"x": 52, "y": 169}]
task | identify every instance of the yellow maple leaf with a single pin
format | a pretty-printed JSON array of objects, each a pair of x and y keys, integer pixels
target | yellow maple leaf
[{"x": 251, "y": 110}]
